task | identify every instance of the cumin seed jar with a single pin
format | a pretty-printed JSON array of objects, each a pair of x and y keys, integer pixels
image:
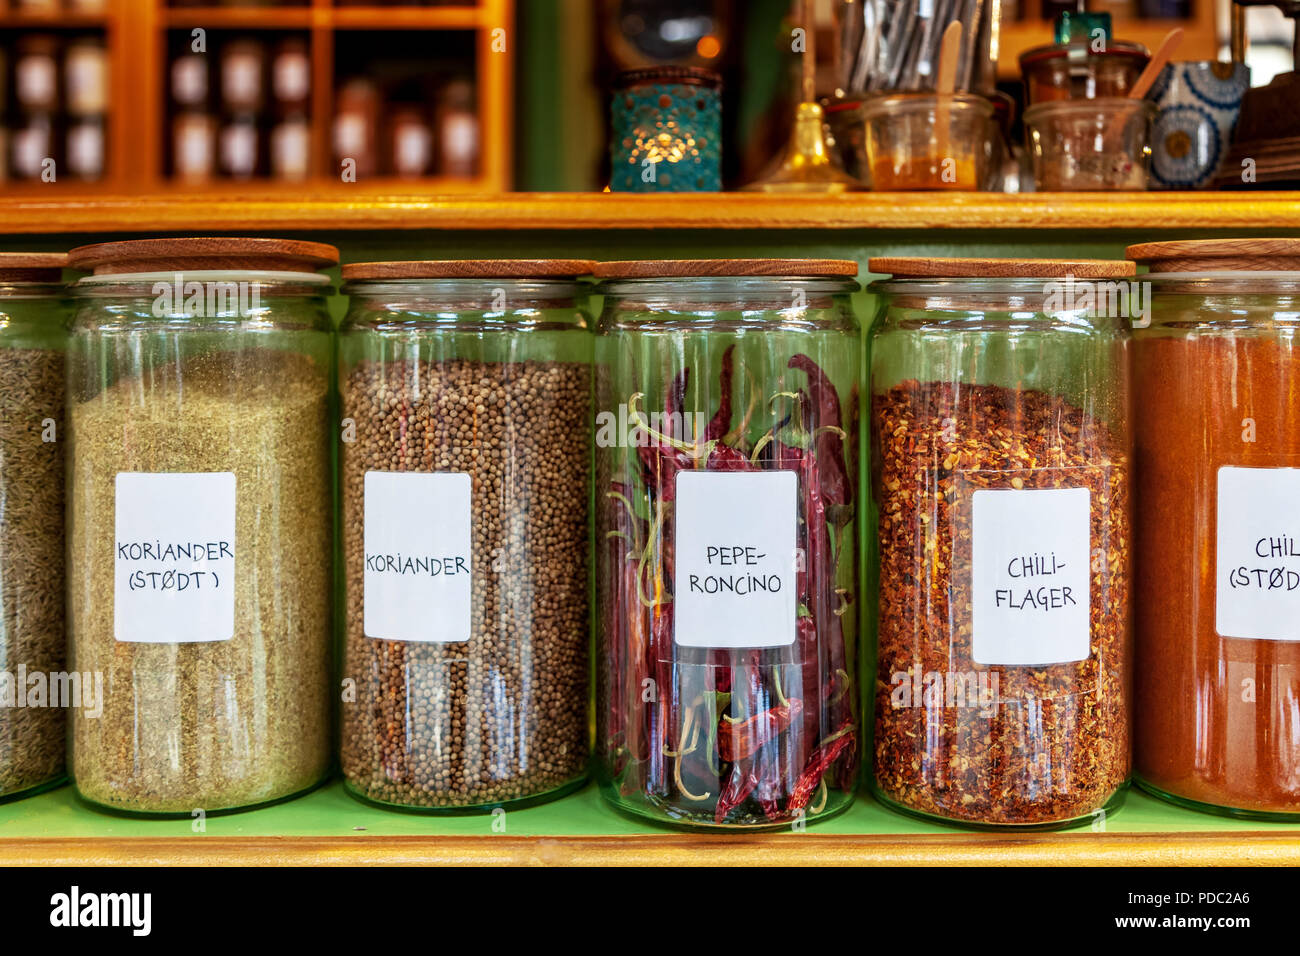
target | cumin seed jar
[
  {"x": 1216, "y": 377},
  {"x": 1001, "y": 487},
  {"x": 466, "y": 392},
  {"x": 33, "y": 329},
  {"x": 200, "y": 521},
  {"x": 726, "y": 493}
]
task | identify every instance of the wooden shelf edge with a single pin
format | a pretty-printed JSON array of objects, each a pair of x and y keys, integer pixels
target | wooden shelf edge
[
  {"x": 337, "y": 208},
  {"x": 376, "y": 17},
  {"x": 1080, "y": 849}
]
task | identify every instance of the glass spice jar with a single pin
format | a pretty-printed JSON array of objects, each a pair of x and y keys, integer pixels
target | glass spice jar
[
  {"x": 1216, "y": 375},
  {"x": 33, "y": 690},
  {"x": 726, "y": 565},
  {"x": 466, "y": 463},
  {"x": 1001, "y": 490},
  {"x": 199, "y": 519}
]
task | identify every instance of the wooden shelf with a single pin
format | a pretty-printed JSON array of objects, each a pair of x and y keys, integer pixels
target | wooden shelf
[
  {"x": 246, "y": 18},
  {"x": 17, "y": 20},
  {"x": 52, "y": 209},
  {"x": 326, "y": 17},
  {"x": 409, "y": 18},
  {"x": 1199, "y": 39},
  {"x": 1167, "y": 849}
]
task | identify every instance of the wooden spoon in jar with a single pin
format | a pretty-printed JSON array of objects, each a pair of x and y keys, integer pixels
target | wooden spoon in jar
[
  {"x": 944, "y": 86},
  {"x": 1145, "y": 81}
]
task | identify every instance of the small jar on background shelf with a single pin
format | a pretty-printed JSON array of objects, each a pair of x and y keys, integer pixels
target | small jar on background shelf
[
  {"x": 243, "y": 96},
  {"x": 85, "y": 70},
  {"x": 291, "y": 89},
  {"x": 33, "y": 138},
  {"x": 356, "y": 128},
  {"x": 457, "y": 130},
  {"x": 411, "y": 143},
  {"x": 194, "y": 129}
]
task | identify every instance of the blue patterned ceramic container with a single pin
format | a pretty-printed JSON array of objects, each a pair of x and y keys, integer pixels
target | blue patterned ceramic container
[
  {"x": 666, "y": 125},
  {"x": 1198, "y": 105}
]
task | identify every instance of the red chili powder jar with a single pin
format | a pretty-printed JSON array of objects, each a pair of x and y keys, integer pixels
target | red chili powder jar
[{"x": 1217, "y": 387}]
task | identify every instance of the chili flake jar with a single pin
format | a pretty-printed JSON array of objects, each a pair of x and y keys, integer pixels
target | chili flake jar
[
  {"x": 726, "y": 567},
  {"x": 1216, "y": 376},
  {"x": 200, "y": 551},
  {"x": 33, "y": 329},
  {"x": 466, "y": 475},
  {"x": 1001, "y": 485}
]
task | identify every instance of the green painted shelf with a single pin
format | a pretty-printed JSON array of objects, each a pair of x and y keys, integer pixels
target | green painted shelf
[{"x": 327, "y": 825}]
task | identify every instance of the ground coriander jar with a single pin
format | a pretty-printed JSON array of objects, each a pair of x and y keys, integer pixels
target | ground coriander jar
[
  {"x": 1001, "y": 465},
  {"x": 466, "y": 463},
  {"x": 1217, "y": 388},
  {"x": 34, "y": 686},
  {"x": 726, "y": 552},
  {"x": 200, "y": 521}
]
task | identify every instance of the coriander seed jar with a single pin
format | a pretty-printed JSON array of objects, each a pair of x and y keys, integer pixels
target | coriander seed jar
[
  {"x": 199, "y": 521},
  {"x": 1001, "y": 487},
  {"x": 33, "y": 692},
  {"x": 1216, "y": 377},
  {"x": 726, "y": 551},
  {"x": 466, "y": 461}
]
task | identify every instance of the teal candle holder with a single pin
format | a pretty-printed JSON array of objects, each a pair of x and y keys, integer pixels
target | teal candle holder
[{"x": 666, "y": 124}]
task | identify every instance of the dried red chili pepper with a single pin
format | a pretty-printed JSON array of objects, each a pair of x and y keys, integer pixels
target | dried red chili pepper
[
  {"x": 726, "y": 458},
  {"x": 660, "y": 465},
  {"x": 742, "y": 782},
  {"x": 825, "y": 755},
  {"x": 676, "y": 402},
  {"x": 720, "y": 423},
  {"x": 741, "y": 739},
  {"x": 828, "y": 431}
]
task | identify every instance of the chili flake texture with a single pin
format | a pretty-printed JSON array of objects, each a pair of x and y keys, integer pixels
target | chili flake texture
[{"x": 1013, "y": 744}]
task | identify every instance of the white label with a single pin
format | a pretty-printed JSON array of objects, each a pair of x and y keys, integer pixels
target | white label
[
  {"x": 190, "y": 79},
  {"x": 1030, "y": 576},
  {"x": 735, "y": 559},
  {"x": 36, "y": 80},
  {"x": 290, "y": 150},
  {"x": 194, "y": 146},
  {"x": 460, "y": 137},
  {"x": 350, "y": 134},
  {"x": 239, "y": 149},
  {"x": 86, "y": 149},
  {"x": 291, "y": 77},
  {"x": 1257, "y": 573},
  {"x": 412, "y": 150},
  {"x": 241, "y": 79},
  {"x": 417, "y": 556},
  {"x": 174, "y": 553}
]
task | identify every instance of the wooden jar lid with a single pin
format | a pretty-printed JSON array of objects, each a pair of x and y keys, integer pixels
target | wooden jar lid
[
  {"x": 171, "y": 255},
  {"x": 1219, "y": 255},
  {"x": 32, "y": 266},
  {"x": 693, "y": 268},
  {"x": 471, "y": 269},
  {"x": 930, "y": 268}
]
